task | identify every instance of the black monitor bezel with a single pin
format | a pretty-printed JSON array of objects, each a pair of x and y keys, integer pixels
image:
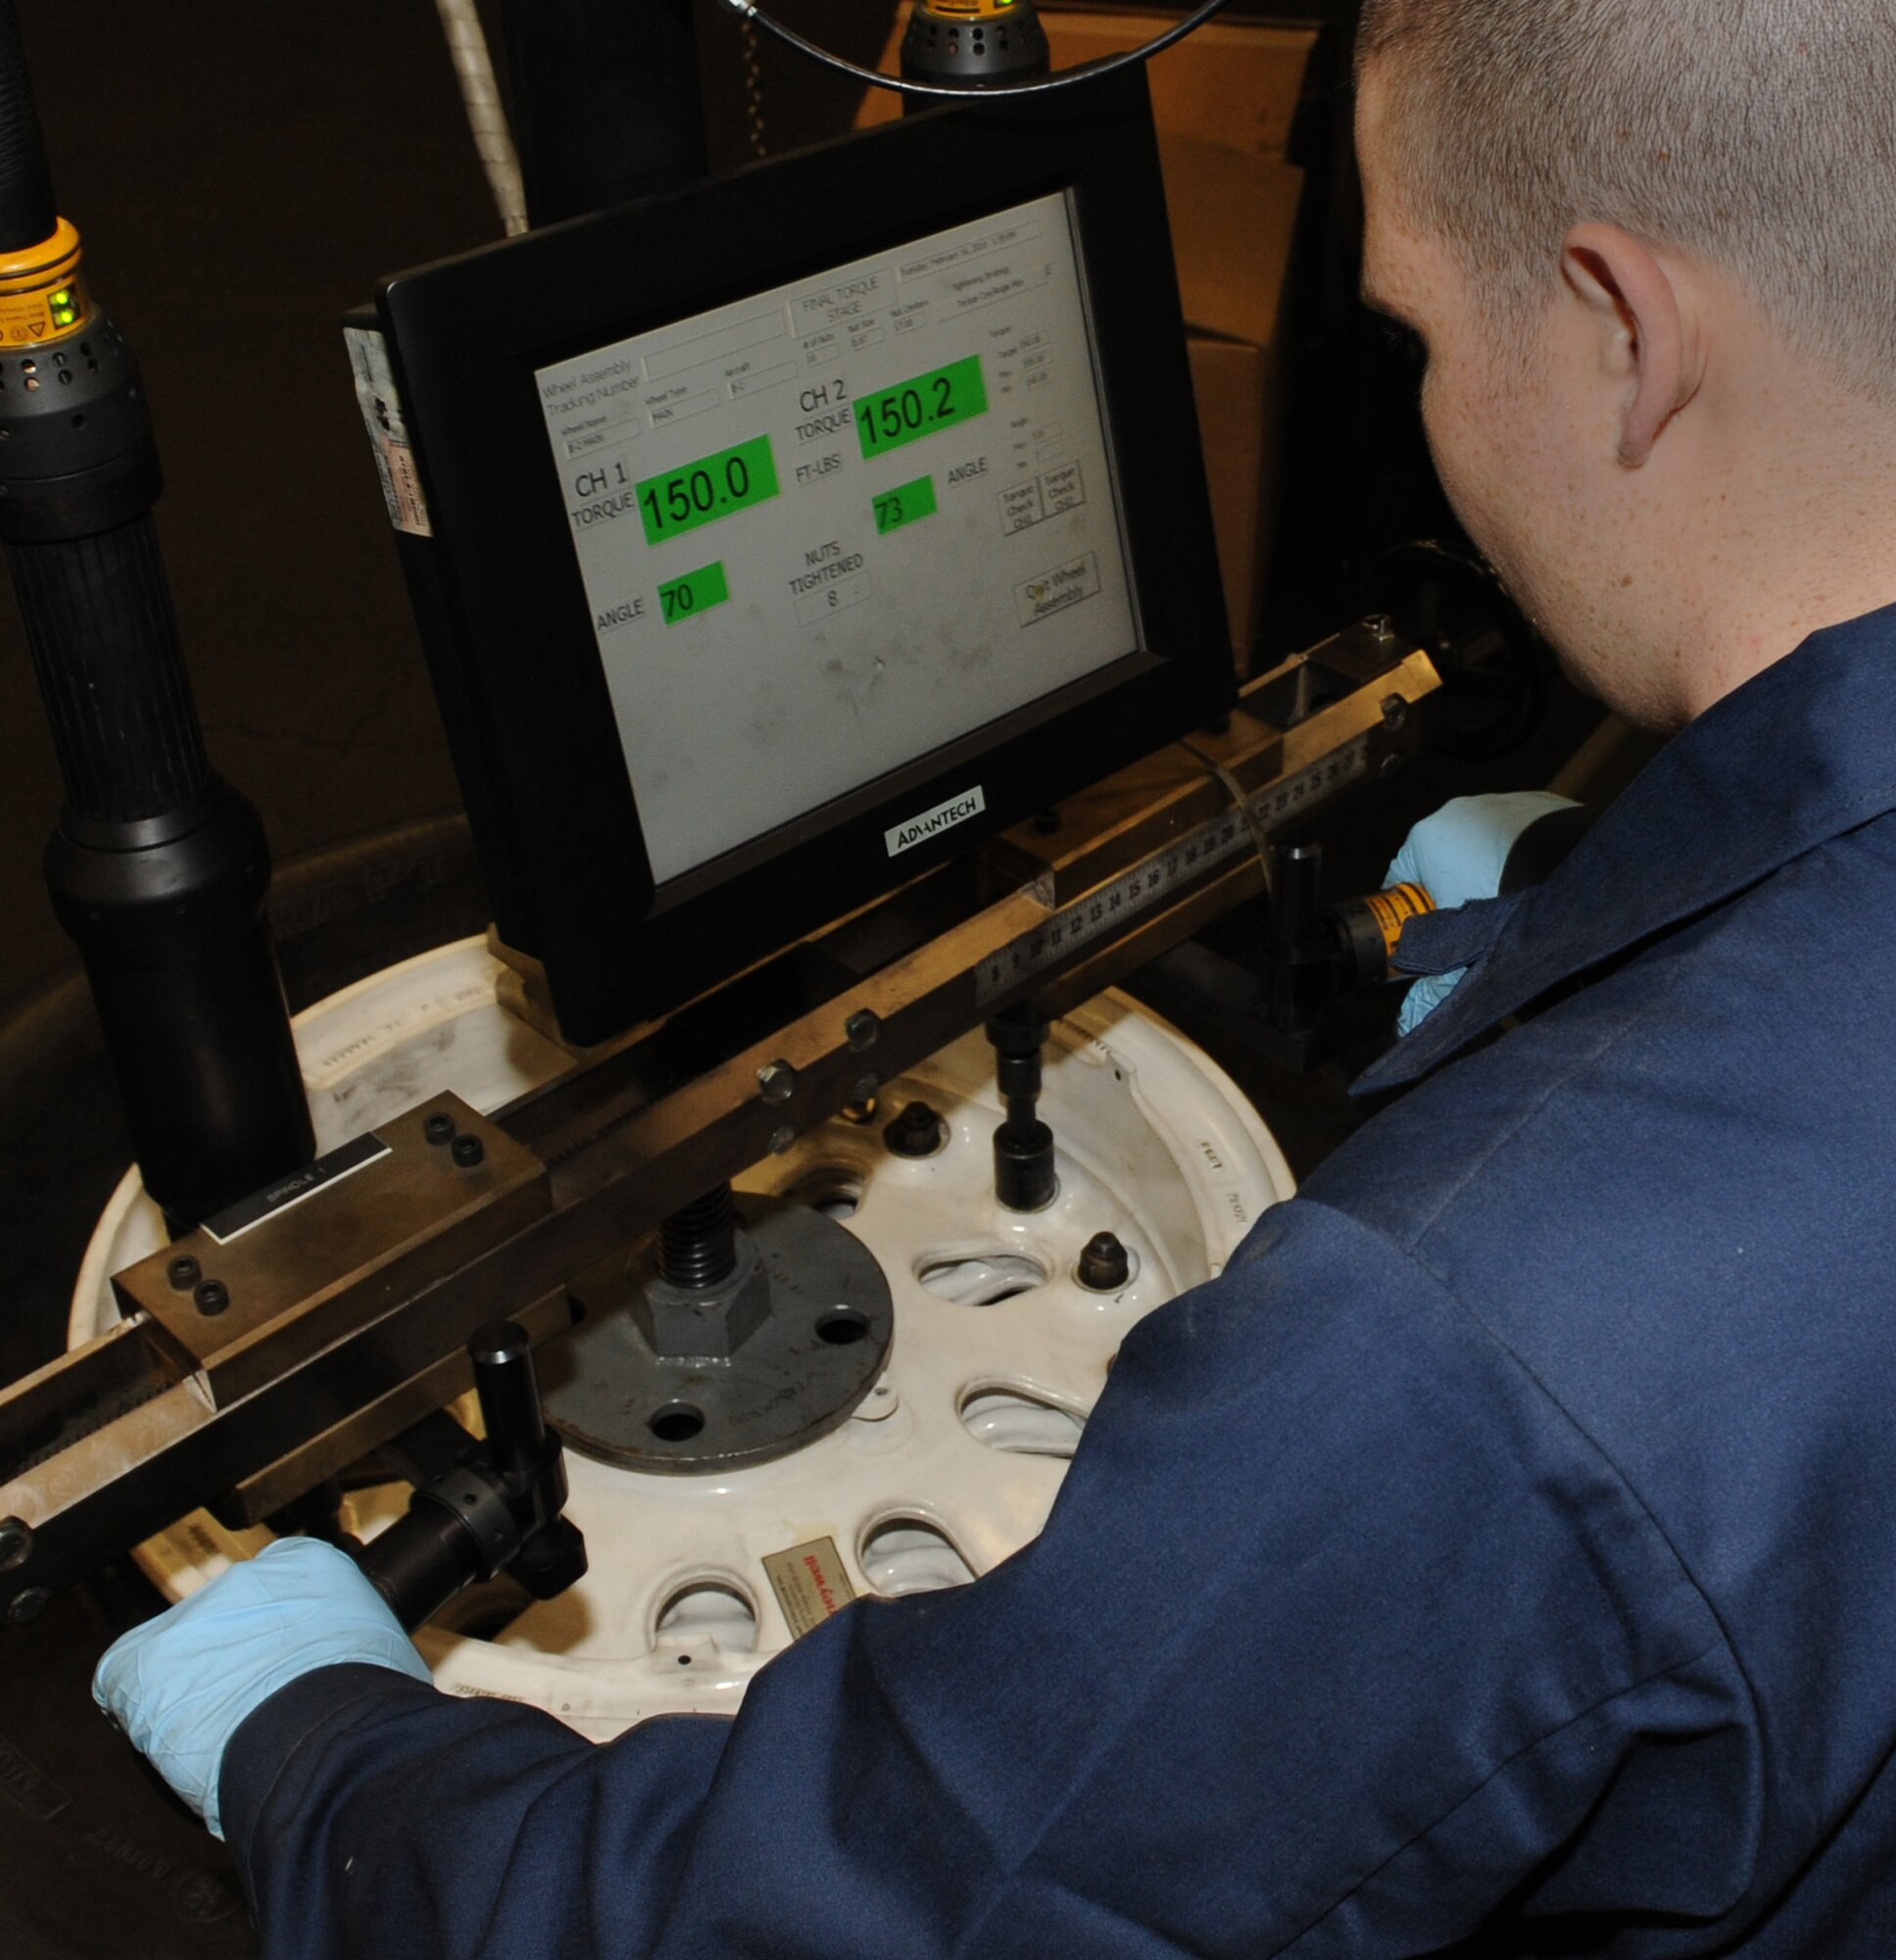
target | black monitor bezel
[{"x": 511, "y": 641}]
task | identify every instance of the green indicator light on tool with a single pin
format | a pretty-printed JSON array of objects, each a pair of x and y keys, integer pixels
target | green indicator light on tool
[
  {"x": 926, "y": 406},
  {"x": 702, "y": 492},
  {"x": 905, "y": 504},
  {"x": 696, "y": 592}
]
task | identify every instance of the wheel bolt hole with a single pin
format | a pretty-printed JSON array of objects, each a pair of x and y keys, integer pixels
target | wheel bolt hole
[
  {"x": 842, "y": 1327},
  {"x": 676, "y": 1422}
]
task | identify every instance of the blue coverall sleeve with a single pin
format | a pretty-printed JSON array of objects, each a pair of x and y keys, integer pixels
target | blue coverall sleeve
[{"x": 1340, "y": 1634}]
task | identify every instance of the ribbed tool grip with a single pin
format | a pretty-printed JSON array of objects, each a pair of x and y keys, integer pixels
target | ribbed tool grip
[
  {"x": 28, "y": 213},
  {"x": 98, "y": 617}
]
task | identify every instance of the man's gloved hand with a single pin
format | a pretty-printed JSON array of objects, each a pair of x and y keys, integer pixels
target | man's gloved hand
[
  {"x": 181, "y": 1685},
  {"x": 1457, "y": 855}
]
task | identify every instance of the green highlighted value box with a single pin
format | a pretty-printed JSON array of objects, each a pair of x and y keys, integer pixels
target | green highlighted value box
[
  {"x": 702, "y": 492},
  {"x": 938, "y": 400},
  {"x": 903, "y": 504},
  {"x": 696, "y": 592}
]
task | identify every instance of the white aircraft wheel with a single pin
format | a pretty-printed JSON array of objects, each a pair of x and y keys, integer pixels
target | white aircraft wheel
[{"x": 950, "y": 1463}]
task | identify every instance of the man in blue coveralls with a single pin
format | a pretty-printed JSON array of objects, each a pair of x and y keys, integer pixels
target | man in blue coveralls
[{"x": 1501, "y": 1555}]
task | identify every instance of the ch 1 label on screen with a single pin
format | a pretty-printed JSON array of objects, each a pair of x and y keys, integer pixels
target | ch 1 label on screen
[{"x": 932, "y": 822}]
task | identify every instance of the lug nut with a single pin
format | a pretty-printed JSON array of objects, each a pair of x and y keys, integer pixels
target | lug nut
[
  {"x": 183, "y": 1273},
  {"x": 1104, "y": 1267},
  {"x": 467, "y": 1152},
  {"x": 916, "y": 1131},
  {"x": 439, "y": 1128},
  {"x": 212, "y": 1297}
]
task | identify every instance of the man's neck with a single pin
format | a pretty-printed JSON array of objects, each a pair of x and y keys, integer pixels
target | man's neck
[{"x": 1800, "y": 532}]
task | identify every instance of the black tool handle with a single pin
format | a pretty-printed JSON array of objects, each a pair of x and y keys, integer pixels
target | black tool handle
[
  {"x": 105, "y": 644},
  {"x": 28, "y": 213}
]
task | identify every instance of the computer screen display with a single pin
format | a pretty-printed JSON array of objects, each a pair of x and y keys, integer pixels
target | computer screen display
[
  {"x": 776, "y": 539},
  {"x": 837, "y": 523}
]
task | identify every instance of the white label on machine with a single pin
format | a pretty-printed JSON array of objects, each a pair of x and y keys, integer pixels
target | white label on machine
[
  {"x": 833, "y": 527},
  {"x": 932, "y": 822},
  {"x": 388, "y": 435}
]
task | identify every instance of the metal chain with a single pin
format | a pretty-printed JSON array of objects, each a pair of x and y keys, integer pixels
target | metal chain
[{"x": 754, "y": 88}]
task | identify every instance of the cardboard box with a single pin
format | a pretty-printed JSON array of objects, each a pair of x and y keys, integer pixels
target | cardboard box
[
  {"x": 1224, "y": 99},
  {"x": 1233, "y": 386}
]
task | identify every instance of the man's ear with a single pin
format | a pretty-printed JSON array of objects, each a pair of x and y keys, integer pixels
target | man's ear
[{"x": 1645, "y": 332}]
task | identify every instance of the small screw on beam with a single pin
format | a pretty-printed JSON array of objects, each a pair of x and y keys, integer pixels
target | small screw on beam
[
  {"x": 861, "y": 1031},
  {"x": 776, "y": 1082},
  {"x": 28, "y": 1605}
]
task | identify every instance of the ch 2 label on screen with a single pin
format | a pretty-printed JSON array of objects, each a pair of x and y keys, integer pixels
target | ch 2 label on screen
[{"x": 932, "y": 822}]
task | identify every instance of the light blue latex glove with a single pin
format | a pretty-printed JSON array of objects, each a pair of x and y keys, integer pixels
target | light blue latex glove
[
  {"x": 179, "y": 1685},
  {"x": 1458, "y": 856}
]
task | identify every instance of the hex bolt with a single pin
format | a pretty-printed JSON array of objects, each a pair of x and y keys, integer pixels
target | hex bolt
[
  {"x": 15, "y": 1543},
  {"x": 211, "y": 1298},
  {"x": 1381, "y": 627},
  {"x": 439, "y": 1128},
  {"x": 861, "y": 1031},
  {"x": 915, "y": 1131},
  {"x": 865, "y": 1088},
  {"x": 1104, "y": 1267},
  {"x": 28, "y": 1605},
  {"x": 1046, "y": 823},
  {"x": 781, "y": 1139},
  {"x": 467, "y": 1152},
  {"x": 1395, "y": 711},
  {"x": 183, "y": 1273},
  {"x": 776, "y": 1082}
]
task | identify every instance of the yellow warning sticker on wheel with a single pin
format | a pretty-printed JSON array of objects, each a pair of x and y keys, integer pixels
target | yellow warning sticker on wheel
[{"x": 810, "y": 1582}]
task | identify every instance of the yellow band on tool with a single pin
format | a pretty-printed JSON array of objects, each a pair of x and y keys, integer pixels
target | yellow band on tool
[
  {"x": 972, "y": 10},
  {"x": 1394, "y": 908},
  {"x": 41, "y": 293}
]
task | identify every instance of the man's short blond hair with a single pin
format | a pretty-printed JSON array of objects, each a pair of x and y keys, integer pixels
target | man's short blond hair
[{"x": 1758, "y": 135}]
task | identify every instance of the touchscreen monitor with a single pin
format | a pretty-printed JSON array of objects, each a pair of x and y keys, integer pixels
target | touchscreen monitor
[{"x": 777, "y": 539}]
